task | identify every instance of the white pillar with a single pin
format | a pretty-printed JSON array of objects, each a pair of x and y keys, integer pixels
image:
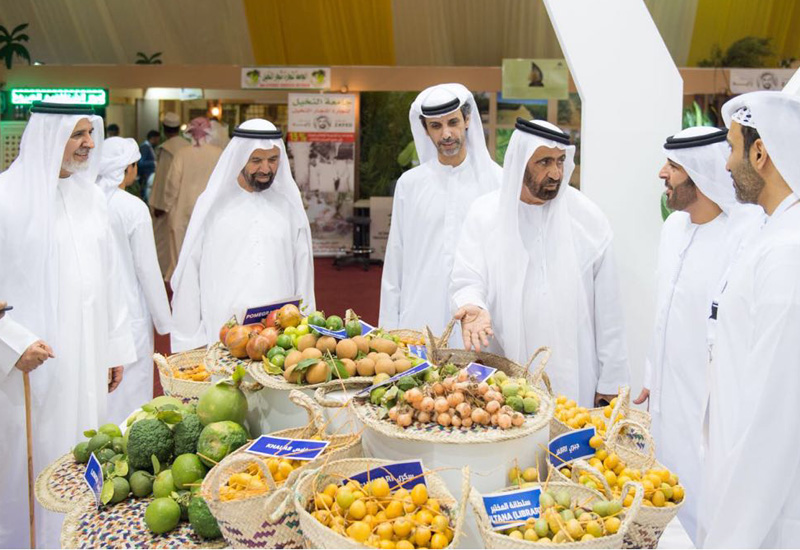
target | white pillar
[{"x": 631, "y": 94}]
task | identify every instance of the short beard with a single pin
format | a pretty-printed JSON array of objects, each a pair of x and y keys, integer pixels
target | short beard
[
  {"x": 449, "y": 152},
  {"x": 75, "y": 166},
  {"x": 252, "y": 181},
  {"x": 683, "y": 196},
  {"x": 747, "y": 183},
  {"x": 539, "y": 190}
]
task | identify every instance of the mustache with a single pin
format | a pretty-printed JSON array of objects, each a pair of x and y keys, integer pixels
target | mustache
[
  {"x": 550, "y": 181},
  {"x": 449, "y": 141}
]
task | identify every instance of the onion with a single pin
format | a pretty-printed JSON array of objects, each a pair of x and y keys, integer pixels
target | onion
[
  {"x": 463, "y": 375},
  {"x": 492, "y": 407},
  {"x": 483, "y": 387},
  {"x": 438, "y": 389},
  {"x": 448, "y": 383},
  {"x": 517, "y": 419},
  {"x": 462, "y": 386},
  {"x": 440, "y": 405},
  {"x": 413, "y": 396},
  {"x": 443, "y": 419},
  {"x": 455, "y": 399},
  {"x": 464, "y": 410},
  {"x": 494, "y": 420},
  {"x": 404, "y": 419},
  {"x": 455, "y": 421},
  {"x": 477, "y": 415},
  {"x": 393, "y": 414},
  {"x": 424, "y": 417},
  {"x": 504, "y": 421},
  {"x": 427, "y": 404},
  {"x": 466, "y": 423}
]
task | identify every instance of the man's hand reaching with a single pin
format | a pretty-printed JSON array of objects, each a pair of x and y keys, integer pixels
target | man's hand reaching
[{"x": 476, "y": 326}]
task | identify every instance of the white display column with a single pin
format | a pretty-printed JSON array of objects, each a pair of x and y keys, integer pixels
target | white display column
[{"x": 631, "y": 94}]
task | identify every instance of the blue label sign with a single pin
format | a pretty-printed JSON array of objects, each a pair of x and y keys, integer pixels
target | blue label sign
[
  {"x": 512, "y": 508},
  {"x": 341, "y": 334},
  {"x": 571, "y": 446},
  {"x": 93, "y": 475},
  {"x": 258, "y": 314},
  {"x": 399, "y": 474},
  {"x": 481, "y": 372},
  {"x": 414, "y": 370},
  {"x": 419, "y": 351},
  {"x": 296, "y": 449}
]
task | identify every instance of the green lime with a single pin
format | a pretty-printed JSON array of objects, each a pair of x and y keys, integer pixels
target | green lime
[
  {"x": 141, "y": 483},
  {"x": 121, "y": 489},
  {"x": 111, "y": 430},
  {"x": 316, "y": 319},
  {"x": 81, "y": 452},
  {"x": 278, "y": 360},
  {"x": 275, "y": 351},
  {"x": 162, "y": 515},
  {"x": 105, "y": 455},
  {"x": 353, "y": 328},
  {"x": 163, "y": 485},
  {"x": 187, "y": 470},
  {"x": 285, "y": 341},
  {"x": 98, "y": 442},
  {"x": 334, "y": 322},
  {"x": 118, "y": 444}
]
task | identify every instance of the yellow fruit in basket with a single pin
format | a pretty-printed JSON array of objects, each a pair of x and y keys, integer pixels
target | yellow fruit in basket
[
  {"x": 424, "y": 517},
  {"x": 346, "y": 349},
  {"x": 379, "y": 488},
  {"x": 394, "y": 509},
  {"x": 330, "y": 490},
  {"x": 611, "y": 477},
  {"x": 402, "y": 527},
  {"x": 607, "y": 410},
  {"x": 611, "y": 461},
  {"x": 594, "y": 528},
  {"x": 677, "y": 493},
  {"x": 648, "y": 486},
  {"x": 438, "y": 540},
  {"x": 596, "y": 442},
  {"x": 658, "y": 499},
  {"x": 357, "y": 510},
  {"x": 387, "y": 545},
  {"x": 404, "y": 545},
  {"x": 612, "y": 525},
  {"x": 372, "y": 508},
  {"x": 622, "y": 480},
  {"x": 322, "y": 500},
  {"x": 628, "y": 501},
  {"x": 384, "y": 530},
  {"x": 601, "y": 455},
  {"x": 359, "y": 531},
  {"x": 422, "y": 535},
  {"x": 419, "y": 494},
  {"x": 344, "y": 498},
  {"x": 574, "y": 529},
  {"x": 440, "y": 523}
]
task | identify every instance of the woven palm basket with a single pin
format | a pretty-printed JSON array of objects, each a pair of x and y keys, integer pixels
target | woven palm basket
[
  {"x": 188, "y": 391},
  {"x": 318, "y": 535},
  {"x": 623, "y": 405},
  {"x": 371, "y": 415},
  {"x": 60, "y": 486},
  {"x": 269, "y": 520},
  {"x": 495, "y": 539}
]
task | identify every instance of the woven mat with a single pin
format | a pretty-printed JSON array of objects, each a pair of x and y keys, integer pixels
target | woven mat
[
  {"x": 122, "y": 526},
  {"x": 60, "y": 486},
  {"x": 219, "y": 360}
]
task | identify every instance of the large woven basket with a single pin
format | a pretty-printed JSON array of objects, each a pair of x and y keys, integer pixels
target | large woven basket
[
  {"x": 370, "y": 415},
  {"x": 494, "y": 539},
  {"x": 60, "y": 486},
  {"x": 277, "y": 382},
  {"x": 188, "y": 391},
  {"x": 122, "y": 526},
  {"x": 623, "y": 405},
  {"x": 269, "y": 520},
  {"x": 649, "y": 523},
  {"x": 319, "y": 536}
]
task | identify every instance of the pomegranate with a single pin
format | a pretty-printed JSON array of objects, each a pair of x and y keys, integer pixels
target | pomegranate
[
  {"x": 255, "y": 327},
  {"x": 269, "y": 320},
  {"x": 223, "y": 332},
  {"x": 257, "y": 346},
  {"x": 271, "y": 334},
  {"x": 236, "y": 341},
  {"x": 288, "y": 316}
]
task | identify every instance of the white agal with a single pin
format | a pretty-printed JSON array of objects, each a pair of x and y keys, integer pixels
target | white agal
[
  {"x": 132, "y": 230},
  {"x": 752, "y": 461},
  {"x": 242, "y": 249},
  {"x": 546, "y": 274},
  {"x": 61, "y": 274},
  {"x": 427, "y": 219}
]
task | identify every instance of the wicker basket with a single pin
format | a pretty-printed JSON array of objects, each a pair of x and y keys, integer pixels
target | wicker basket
[
  {"x": 269, "y": 520},
  {"x": 319, "y": 536},
  {"x": 60, "y": 486},
  {"x": 188, "y": 391},
  {"x": 122, "y": 526},
  {"x": 370, "y": 416},
  {"x": 623, "y": 405},
  {"x": 494, "y": 539},
  {"x": 650, "y": 522}
]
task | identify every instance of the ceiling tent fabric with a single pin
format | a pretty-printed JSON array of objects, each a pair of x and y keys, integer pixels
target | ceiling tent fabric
[
  {"x": 76, "y": 32},
  {"x": 726, "y": 21},
  {"x": 675, "y": 22},
  {"x": 346, "y": 32}
]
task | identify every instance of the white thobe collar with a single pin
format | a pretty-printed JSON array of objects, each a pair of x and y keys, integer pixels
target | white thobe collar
[
  {"x": 448, "y": 170},
  {"x": 785, "y": 205}
]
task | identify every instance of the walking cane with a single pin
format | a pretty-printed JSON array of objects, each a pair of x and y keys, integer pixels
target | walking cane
[{"x": 29, "y": 432}]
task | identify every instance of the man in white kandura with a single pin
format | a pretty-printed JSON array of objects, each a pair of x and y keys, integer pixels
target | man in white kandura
[
  {"x": 751, "y": 465},
  {"x": 429, "y": 205},
  {"x": 698, "y": 242},
  {"x": 188, "y": 176},
  {"x": 534, "y": 267},
  {"x": 60, "y": 273},
  {"x": 132, "y": 229},
  {"x": 248, "y": 243},
  {"x": 164, "y": 196}
]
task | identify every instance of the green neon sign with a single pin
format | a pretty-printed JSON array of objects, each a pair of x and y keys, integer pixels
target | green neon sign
[{"x": 86, "y": 96}]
